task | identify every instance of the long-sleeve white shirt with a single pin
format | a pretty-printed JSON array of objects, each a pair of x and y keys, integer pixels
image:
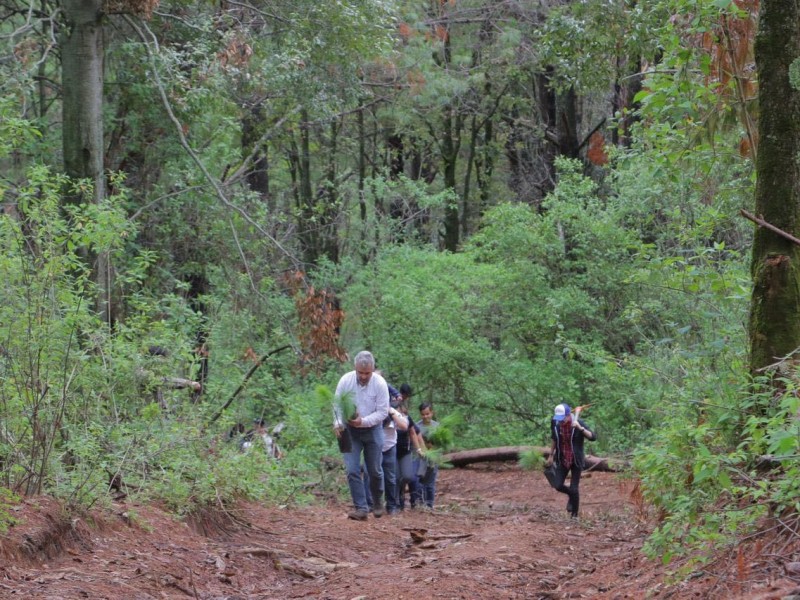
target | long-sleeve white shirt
[{"x": 371, "y": 400}]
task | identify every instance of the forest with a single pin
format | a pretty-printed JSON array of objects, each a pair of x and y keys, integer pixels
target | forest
[{"x": 208, "y": 208}]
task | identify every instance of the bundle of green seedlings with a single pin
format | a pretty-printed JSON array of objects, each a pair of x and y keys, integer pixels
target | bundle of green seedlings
[
  {"x": 343, "y": 405},
  {"x": 441, "y": 438}
]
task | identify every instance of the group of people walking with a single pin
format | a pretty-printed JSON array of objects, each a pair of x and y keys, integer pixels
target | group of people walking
[{"x": 393, "y": 445}]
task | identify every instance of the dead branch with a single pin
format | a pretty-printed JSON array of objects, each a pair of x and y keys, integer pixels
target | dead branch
[
  {"x": 762, "y": 223},
  {"x": 247, "y": 377},
  {"x": 453, "y": 536}
]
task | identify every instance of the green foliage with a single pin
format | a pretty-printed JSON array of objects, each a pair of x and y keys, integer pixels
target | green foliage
[
  {"x": 627, "y": 291},
  {"x": 77, "y": 401},
  {"x": 531, "y": 460},
  {"x": 435, "y": 456},
  {"x": 14, "y": 130},
  {"x": 518, "y": 322},
  {"x": 588, "y": 42},
  {"x": 443, "y": 435},
  {"x": 343, "y": 405},
  {"x": 8, "y": 499},
  {"x": 794, "y": 74}
]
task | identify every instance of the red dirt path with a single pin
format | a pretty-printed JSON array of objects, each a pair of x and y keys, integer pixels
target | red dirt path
[{"x": 497, "y": 532}]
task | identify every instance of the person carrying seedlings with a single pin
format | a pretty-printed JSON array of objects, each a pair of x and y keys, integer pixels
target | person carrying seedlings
[
  {"x": 427, "y": 427},
  {"x": 407, "y": 446},
  {"x": 361, "y": 403},
  {"x": 568, "y": 432}
]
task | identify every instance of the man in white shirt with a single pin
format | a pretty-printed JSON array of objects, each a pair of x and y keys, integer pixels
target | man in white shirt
[{"x": 371, "y": 397}]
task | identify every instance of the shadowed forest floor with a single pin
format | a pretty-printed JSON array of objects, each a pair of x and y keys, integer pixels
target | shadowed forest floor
[{"x": 497, "y": 532}]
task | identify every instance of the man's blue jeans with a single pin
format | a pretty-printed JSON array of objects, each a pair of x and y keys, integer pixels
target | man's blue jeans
[
  {"x": 389, "y": 466},
  {"x": 368, "y": 440}
]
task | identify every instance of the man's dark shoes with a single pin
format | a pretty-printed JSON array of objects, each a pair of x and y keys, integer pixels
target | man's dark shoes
[
  {"x": 378, "y": 512},
  {"x": 358, "y": 515}
]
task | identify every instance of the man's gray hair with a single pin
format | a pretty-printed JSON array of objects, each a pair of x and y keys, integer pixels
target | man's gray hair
[{"x": 364, "y": 359}]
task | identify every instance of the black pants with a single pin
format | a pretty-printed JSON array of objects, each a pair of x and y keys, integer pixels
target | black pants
[{"x": 572, "y": 490}]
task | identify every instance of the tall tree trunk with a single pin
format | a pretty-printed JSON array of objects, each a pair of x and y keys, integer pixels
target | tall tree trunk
[
  {"x": 485, "y": 168},
  {"x": 627, "y": 85},
  {"x": 329, "y": 239},
  {"x": 362, "y": 176},
  {"x": 82, "y": 137},
  {"x": 300, "y": 160},
  {"x": 466, "y": 211},
  {"x": 567, "y": 124},
  {"x": 394, "y": 146},
  {"x": 82, "y": 85},
  {"x": 531, "y": 158},
  {"x": 775, "y": 307},
  {"x": 258, "y": 176},
  {"x": 451, "y": 145}
]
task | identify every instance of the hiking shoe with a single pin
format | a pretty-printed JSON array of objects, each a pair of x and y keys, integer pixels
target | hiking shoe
[
  {"x": 358, "y": 515},
  {"x": 378, "y": 512}
]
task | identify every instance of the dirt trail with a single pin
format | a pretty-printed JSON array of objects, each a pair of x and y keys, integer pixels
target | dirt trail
[{"x": 498, "y": 532}]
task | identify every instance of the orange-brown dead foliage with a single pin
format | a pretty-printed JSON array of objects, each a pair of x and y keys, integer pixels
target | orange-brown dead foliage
[{"x": 597, "y": 149}]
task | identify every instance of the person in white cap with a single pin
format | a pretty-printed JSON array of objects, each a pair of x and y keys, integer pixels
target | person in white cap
[{"x": 568, "y": 432}]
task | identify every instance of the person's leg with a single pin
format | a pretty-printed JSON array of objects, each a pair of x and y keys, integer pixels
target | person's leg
[
  {"x": 352, "y": 463},
  {"x": 559, "y": 483},
  {"x": 373, "y": 457},
  {"x": 561, "y": 477},
  {"x": 404, "y": 467},
  {"x": 430, "y": 488},
  {"x": 414, "y": 486},
  {"x": 390, "y": 479},
  {"x": 367, "y": 493},
  {"x": 575, "y": 480}
]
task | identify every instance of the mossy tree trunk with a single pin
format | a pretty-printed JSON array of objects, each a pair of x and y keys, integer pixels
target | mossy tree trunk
[
  {"x": 775, "y": 306},
  {"x": 82, "y": 113}
]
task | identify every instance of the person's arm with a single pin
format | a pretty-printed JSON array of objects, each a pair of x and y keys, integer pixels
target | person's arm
[
  {"x": 551, "y": 457},
  {"x": 400, "y": 420},
  {"x": 585, "y": 431},
  {"x": 416, "y": 439}
]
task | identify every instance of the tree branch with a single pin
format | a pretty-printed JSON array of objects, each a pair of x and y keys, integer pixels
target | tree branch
[
  {"x": 762, "y": 223},
  {"x": 247, "y": 377}
]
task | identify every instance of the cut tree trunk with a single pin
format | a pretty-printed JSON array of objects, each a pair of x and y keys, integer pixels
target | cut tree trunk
[{"x": 506, "y": 453}]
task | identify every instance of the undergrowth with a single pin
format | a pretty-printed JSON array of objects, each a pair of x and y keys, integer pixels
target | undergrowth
[{"x": 717, "y": 476}]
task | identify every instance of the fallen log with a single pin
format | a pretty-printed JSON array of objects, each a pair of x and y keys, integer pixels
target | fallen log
[{"x": 507, "y": 453}]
